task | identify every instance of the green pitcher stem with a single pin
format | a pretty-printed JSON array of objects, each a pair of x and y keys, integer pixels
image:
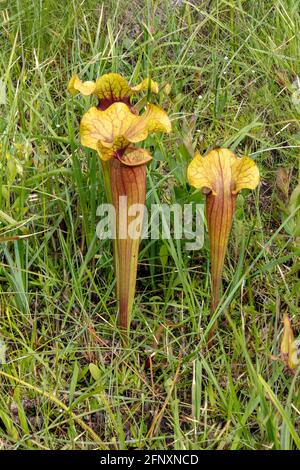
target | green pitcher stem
[{"x": 105, "y": 169}]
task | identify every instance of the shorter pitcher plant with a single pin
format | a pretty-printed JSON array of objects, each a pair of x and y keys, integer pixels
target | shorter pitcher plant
[
  {"x": 221, "y": 175},
  {"x": 113, "y": 129},
  {"x": 288, "y": 347}
]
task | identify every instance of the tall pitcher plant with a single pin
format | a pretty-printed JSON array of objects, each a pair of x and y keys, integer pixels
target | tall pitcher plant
[
  {"x": 221, "y": 175},
  {"x": 112, "y": 129}
]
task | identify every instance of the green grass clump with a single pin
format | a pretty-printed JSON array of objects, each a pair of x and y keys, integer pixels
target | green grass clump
[{"x": 67, "y": 383}]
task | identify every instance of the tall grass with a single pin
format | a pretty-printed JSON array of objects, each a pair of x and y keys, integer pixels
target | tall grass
[{"x": 67, "y": 382}]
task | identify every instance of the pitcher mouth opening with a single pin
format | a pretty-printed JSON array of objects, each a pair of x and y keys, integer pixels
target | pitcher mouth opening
[{"x": 118, "y": 154}]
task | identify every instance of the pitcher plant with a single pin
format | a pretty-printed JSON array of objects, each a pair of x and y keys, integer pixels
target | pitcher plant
[
  {"x": 112, "y": 129},
  {"x": 221, "y": 175}
]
